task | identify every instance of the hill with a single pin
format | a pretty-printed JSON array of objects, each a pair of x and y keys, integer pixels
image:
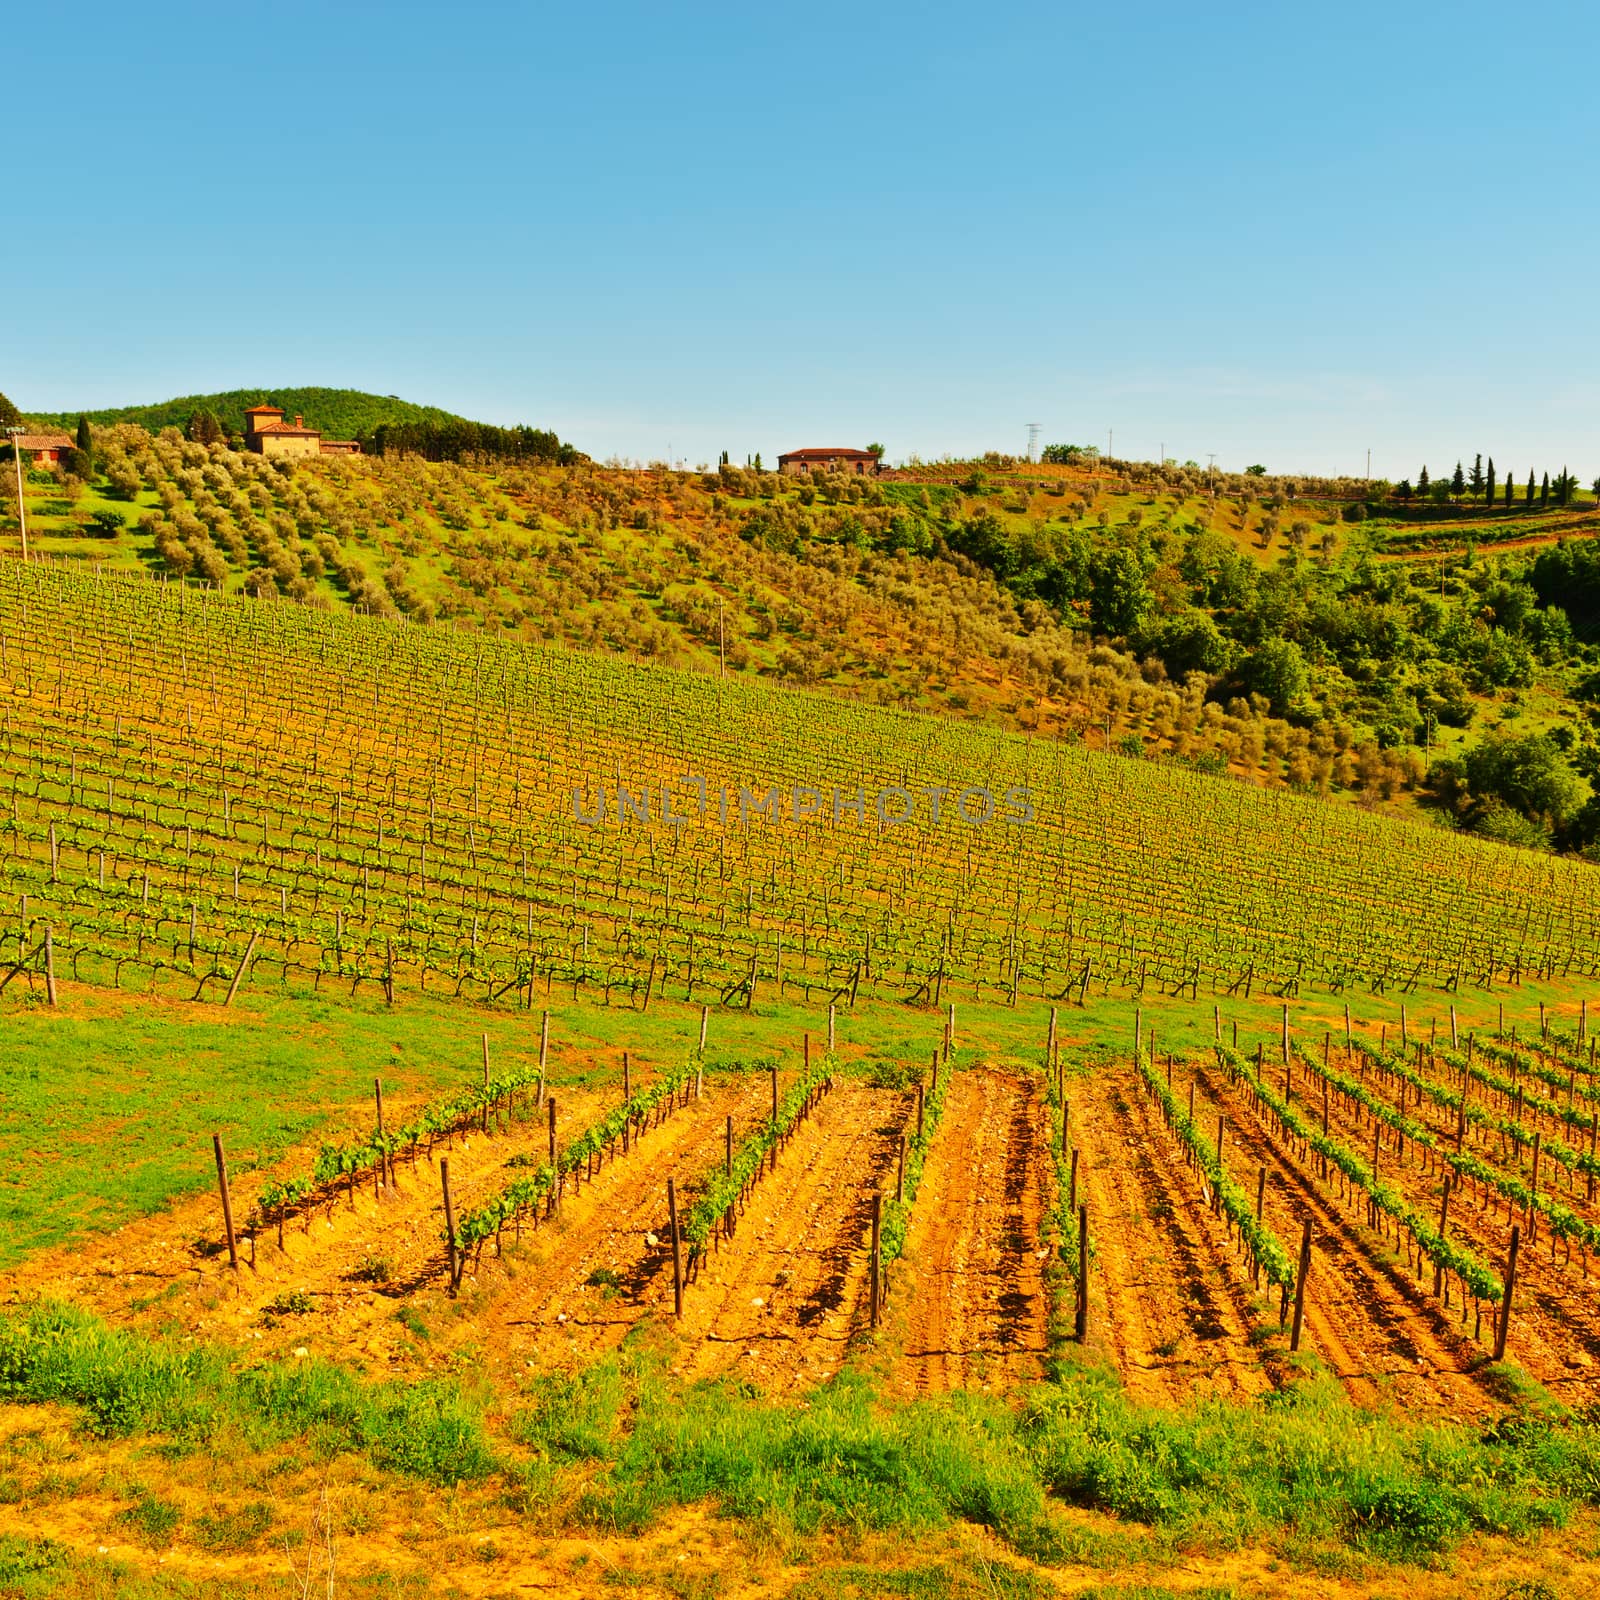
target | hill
[
  {"x": 524, "y": 1098},
  {"x": 1246, "y": 625},
  {"x": 339, "y": 413}
]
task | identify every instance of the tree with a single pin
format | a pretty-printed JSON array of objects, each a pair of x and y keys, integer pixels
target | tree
[
  {"x": 1277, "y": 670},
  {"x": 1256, "y": 471},
  {"x": 9, "y": 415},
  {"x": 1422, "y": 483},
  {"x": 1544, "y": 492},
  {"x": 1477, "y": 475},
  {"x": 205, "y": 427},
  {"x": 85, "y": 437},
  {"x": 1458, "y": 483},
  {"x": 1488, "y": 478},
  {"x": 1189, "y": 642},
  {"x": 1511, "y": 488},
  {"x": 1118, "y": 594},
  {"x": 1402, "y": 490},
  {"x": 1527, "y": 498},
  {"x": 875, "y": 449},
  {"x": 1528, "y": 774}
]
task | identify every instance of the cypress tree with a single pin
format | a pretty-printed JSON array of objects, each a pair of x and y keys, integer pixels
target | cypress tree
[
  {"x": 1458, "y": 482},
  {"x": 1527, "y": 499},
  {"x": 1422, "y": 483},
  {"x": 85, "y": 437},
  {"x": 1477, "y": 474},
  {"x": 1488, "y": 479},
  {"x": 1511, "y": 485},
  {"x": 1544, "y": 492}
]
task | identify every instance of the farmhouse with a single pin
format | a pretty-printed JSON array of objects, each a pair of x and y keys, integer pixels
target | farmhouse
[
  {"x": 45, "y": 448},
  {"x": 268, "y": 434},
  {"x": 829, "y": 459}
]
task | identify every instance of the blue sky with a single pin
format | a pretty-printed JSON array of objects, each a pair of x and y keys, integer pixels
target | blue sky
[{"x": 1272, "y": 232}]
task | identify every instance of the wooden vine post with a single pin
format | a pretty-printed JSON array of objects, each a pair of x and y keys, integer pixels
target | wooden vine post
[
  {"x": 677, "y": 1249},
  {"x": 227, "y": 1201},
  {"x": 1300, "y": 1285},
  {"x": 1080, "y": 1316},
  {"x": 1444, "y": 1220},
  {"x": 556, "y": 1190},
  {"x": 450, "y": 1224},
  {"x": 1503, "y": 1323},
  {"x": 877, "y": 1254}
]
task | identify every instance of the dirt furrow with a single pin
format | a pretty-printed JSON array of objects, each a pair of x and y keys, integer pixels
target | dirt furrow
[
  {"x": 1555, "y": 1331},
  {"x": 969, "y": 1297},
  {"x": 1378, "y": 1334},
  {"x": 575, "y": 1285},
  {"x": 1167, "y": 1292},
  {"x": 783, "y": 1297}
]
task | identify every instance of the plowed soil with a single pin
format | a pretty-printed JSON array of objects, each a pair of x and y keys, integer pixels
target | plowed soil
[
  {"x": 968, "y": 1300},
  {"x": 1555, "y": 1325},
  {"x": 534, "y": 1299},
  {"x": 1169, "y": 1296},
  {"x": 781, "y": 1300},
  {"x": 1365, "y": 1316}
]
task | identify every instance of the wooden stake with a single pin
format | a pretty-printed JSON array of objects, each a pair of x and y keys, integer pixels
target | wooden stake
[
  {"x": 900, "y": 1176},
  {"x": 830, "y": 1027},
  {"x": 544, "y": 1050},
  {"x": 238, "y": 976},
  {"x": 677, "y": 1249},
  {"x": 49, "y": 965},
  {"x": 385, "y": 1161},
  {"x": 557, "y": 1190},
  {"x": 227, "y": 1201},
  {"x": 1300, "y": 1285},
  {"x": 450, "y": 1224},
  {"x": 627, "y": 1078},
  {"x": 1503, "y": 1325},
  {"x": 728, "y": 1168},
  {"x": 1080, "y": 1320},
  {"x": 1444, "y": 1218},
  {"x": 1072, "y": 1185},
  {"x": 774, "y": 1094},
  {"x": 876, "y": 1290}
]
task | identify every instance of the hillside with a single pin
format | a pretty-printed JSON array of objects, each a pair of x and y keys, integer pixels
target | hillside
[
  {"x": 524, "y": 1103},
  {"x": 1245, "y": 624},
  {"x": 339, "y": 413}
]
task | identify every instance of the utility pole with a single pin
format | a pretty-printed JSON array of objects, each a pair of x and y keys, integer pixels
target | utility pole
[
  {"x": 15, "y": 435},
  {"x": 1211, "y": 467},
  {"x": 1369, "y": 463},
  {"x": 1110, "y": 437}
]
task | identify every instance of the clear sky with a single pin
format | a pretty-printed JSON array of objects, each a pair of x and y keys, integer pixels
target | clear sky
[{"x": 1275, "y": 232}]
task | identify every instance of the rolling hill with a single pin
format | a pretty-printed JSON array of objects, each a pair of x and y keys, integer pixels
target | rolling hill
[{"x": 339, "y": 413}]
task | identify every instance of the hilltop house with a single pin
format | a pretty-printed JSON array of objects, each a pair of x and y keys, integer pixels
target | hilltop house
[
  {"x": 268, "y": 434},
  {"x": 45, "y": 448},
  {"x": 835, "y": 459}
]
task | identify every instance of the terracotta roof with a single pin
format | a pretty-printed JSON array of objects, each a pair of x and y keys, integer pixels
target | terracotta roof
[
  {"x": 833, "y": 454},
  {"x": 45, "y": 441},
  {"x": 265, "y": 411},
  {"x": 287, "y": 427}
]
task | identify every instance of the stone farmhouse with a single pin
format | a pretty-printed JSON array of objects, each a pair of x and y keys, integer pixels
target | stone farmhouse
[
  {"x": 45, "y": 448},
  {"x": 829, "y": 459},
  {"x": 268, "y": 434}
]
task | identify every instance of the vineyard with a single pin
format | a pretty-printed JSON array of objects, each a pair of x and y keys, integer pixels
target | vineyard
[
  {"x": 210, "y": 796},
  {"x": 1198, "y": 1220}
]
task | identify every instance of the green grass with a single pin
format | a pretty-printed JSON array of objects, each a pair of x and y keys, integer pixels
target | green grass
[{"x": 623, "y": 1445}]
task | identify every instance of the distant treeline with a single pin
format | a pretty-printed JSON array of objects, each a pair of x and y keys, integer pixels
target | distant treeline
[{"x": 458, "y": 440}]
